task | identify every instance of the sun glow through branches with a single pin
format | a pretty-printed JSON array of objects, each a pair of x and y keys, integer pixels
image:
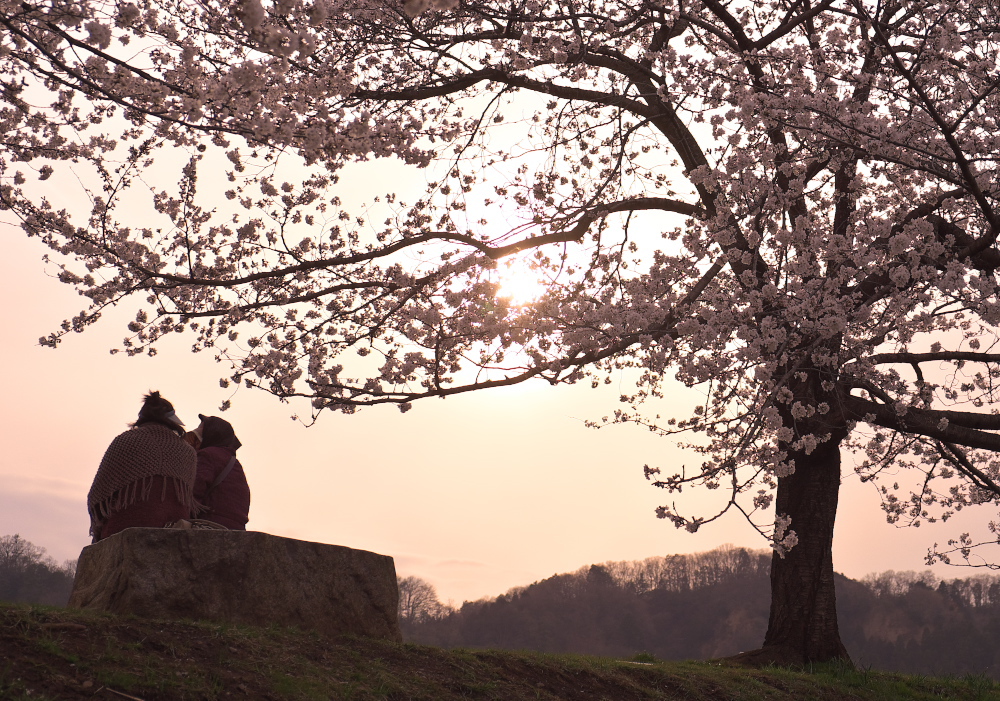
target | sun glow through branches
[{"x": 520, "y": 281}]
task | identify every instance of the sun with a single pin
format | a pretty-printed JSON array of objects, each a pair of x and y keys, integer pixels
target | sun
[{"x": 521, "y": 282}]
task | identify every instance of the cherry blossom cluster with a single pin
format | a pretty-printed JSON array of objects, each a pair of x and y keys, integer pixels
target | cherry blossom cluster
[{"x": 792, "y": 207}]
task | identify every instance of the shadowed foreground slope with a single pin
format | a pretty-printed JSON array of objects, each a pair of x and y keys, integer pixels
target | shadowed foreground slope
[{"x": 62, "y": 654}]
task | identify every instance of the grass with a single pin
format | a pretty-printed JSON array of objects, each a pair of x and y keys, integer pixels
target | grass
[{"x": 52, "y": 653}]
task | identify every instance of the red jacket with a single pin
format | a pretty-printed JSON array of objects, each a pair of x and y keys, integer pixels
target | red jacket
[{"x": 229, "y": 503}]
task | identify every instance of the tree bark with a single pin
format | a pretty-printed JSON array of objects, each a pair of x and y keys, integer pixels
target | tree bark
[{"x": 803, "y": 621}]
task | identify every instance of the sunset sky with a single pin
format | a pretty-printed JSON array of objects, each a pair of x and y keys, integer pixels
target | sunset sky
[{"x": 475, "y": 494}]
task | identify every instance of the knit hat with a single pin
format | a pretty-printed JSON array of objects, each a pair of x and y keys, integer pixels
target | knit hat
[{"x": 217, "y": 432}]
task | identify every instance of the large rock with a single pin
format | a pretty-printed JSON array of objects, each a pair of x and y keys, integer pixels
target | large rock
[{"x": 239, "y": 577}]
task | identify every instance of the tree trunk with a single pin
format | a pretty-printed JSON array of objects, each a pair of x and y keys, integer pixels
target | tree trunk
[{"x": 803, "y": 622}]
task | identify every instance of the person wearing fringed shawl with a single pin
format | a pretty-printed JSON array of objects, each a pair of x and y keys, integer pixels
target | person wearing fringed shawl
[{"x": 146, "y": 477}]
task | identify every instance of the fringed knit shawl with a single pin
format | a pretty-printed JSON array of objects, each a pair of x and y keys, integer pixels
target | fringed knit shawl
[{"x": 129, "y": 465}]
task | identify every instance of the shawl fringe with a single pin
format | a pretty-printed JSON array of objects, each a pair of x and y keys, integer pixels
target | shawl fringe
[
  {"x": 130, "y": 466},
  {"x": 140, "y": 490}
]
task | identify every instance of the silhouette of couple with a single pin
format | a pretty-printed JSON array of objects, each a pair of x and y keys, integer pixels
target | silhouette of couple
[{"x": 155, "y": 475}]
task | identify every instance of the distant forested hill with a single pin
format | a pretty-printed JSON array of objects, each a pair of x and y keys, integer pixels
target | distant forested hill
[
  {"x": 715, "y": 604},
  {"x": 915, "y": 623},
  {"x": 28, "y": 575}
]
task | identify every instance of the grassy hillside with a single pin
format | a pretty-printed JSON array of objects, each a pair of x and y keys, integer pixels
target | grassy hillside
[{"x": 52, "y": 653}]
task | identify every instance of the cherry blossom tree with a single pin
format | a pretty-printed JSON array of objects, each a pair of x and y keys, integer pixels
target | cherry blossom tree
[{"x": 791, "y": 205}]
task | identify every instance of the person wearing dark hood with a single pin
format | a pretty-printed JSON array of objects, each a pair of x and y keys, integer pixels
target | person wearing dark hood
[
  {"x": 146, "y": 477},
  {"x": 220, "y": 487}
]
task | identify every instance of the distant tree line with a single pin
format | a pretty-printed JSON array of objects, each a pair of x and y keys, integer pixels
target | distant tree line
[
  {"x": 28, "y": 575},
  {"x": 916, "y": 623},
  {"x": 715, "y": 604}
]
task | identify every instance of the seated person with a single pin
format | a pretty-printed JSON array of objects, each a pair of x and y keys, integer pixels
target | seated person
[
  {"x": 146, "y": 477},
  {"x": 220, "y": 487}
]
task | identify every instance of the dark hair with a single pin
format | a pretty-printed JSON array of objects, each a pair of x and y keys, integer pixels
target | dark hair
[{"x": 156, "y": 409}]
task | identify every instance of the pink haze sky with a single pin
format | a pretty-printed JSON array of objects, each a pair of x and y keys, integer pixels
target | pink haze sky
[{"x": 476, "y": 494}]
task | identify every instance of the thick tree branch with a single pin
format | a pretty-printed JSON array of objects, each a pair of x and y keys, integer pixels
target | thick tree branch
[
  {"x": 911, "y": 358},
  {"x": 494, "y": 252},
  {"x": 963, "y": 428},
  {"x": 513, "y": 80},
  {"x": 958, "y": 459}
]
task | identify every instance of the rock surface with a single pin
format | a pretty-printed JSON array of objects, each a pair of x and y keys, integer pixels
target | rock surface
[{"x": 239, "y": 577}]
